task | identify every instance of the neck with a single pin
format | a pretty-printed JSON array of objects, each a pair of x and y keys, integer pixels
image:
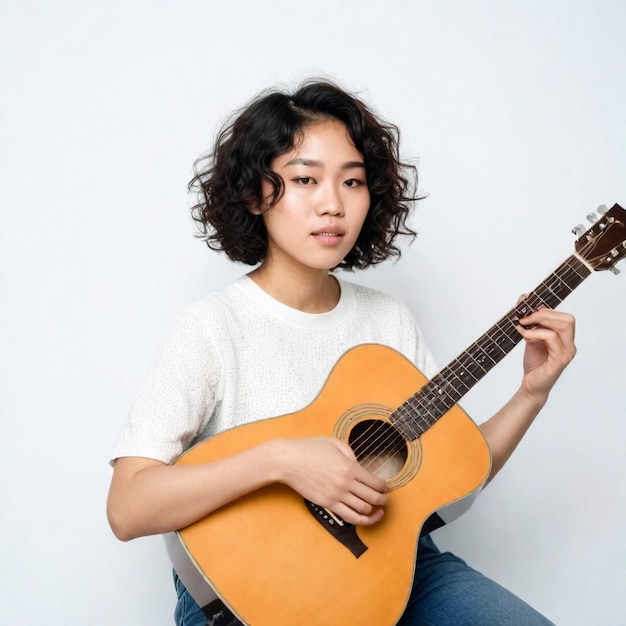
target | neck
[{"x": 312, "y": 291}]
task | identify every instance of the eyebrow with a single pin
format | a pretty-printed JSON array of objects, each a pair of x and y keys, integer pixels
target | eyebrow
[{"x": 313, "y": 163}]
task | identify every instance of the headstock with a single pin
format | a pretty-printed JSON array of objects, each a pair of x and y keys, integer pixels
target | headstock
[{"x": 604, "y": 244}]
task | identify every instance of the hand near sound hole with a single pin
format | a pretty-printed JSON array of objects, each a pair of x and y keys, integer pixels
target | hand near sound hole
[{"x": 325, "y": 471}]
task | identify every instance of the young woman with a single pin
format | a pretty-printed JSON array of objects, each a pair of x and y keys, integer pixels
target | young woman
[{"x": 298, "y": 185}]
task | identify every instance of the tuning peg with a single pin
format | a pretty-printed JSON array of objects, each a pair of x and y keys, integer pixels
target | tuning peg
[
  {"x": 579, "y": 230},
  {"x": 614, "y": 270},
  {"x": 592, "y": 217},
  {"x": 602, "y": 209}
]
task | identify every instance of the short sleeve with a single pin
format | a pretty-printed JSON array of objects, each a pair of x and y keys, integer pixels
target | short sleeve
[
  {"x": 178, "y": 395},
  {"x": 423, "y": 357},
  {"x": 415, "y": 347}
]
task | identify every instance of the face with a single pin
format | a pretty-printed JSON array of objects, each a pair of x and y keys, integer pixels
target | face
[{"x": 326, "y": 198}]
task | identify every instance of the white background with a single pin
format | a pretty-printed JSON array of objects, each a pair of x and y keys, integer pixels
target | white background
[{"x": 515, "y": 110}]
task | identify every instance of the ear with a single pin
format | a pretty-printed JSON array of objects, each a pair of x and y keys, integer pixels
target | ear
[
  {"x": 255, "y": 208},
  {"x": 259, "y": 207}
]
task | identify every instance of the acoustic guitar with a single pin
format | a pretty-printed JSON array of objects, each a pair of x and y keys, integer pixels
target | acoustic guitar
[{"x": 276, "y": 559}]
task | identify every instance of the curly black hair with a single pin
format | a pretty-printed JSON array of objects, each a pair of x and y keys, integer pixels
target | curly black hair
[{"x": 228, "y": 180}]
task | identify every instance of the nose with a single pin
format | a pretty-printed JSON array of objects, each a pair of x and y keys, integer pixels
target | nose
[{"x": 331, "y": 202}]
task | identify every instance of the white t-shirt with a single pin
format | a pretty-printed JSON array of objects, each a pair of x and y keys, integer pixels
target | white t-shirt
[{"x": 239, "y": 355}]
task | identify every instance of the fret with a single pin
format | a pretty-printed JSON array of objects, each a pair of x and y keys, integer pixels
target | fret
[
  {"x": 478, "y": 357},
  {"x": 500, "y": 340},
  {"x": 488, "y": 346},
  {"x": 547, "y": 285},
  {"x": 459, "y": 380},
  {"x": 424, "y": 418},
  {"x": 460, "y": 371},
  {"x": 412, "y": 419},
  {"x": 553, "y": 292},
  {"x": 561, "y": 280},
  {"x": 583, "y": 271},
  {"x": 543, "y": 301},
  {"x": 433, "y": 399},
  {"x": 449, "y": 389},
  {"x": 464, "y": 369},
  {"x": 436, "y": 397}
]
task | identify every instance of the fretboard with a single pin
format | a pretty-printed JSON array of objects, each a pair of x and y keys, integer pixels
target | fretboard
[{"x": 447, "y": 387}]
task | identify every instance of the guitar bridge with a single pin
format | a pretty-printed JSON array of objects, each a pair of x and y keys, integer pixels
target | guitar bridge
[{"x": 343, "y": 532}]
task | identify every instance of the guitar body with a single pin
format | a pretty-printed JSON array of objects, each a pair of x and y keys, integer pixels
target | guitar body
[{"x": 275, "y": 562}]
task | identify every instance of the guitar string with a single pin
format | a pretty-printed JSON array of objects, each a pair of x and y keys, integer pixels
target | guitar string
[
  {"x": 534, "y": 300},
  {"x": 563, "y": 276},
  {"x": 371, "y": 446},
  {"x": 372, "y": 435},
  {"x": 468, "y": 361},
  {"x": 571, "y": 268}
]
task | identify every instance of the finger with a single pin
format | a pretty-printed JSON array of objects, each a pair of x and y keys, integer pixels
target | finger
[
  {"x": 361, "y": 474},
  {"x": 344, "y": 448},
  {"x": 549, "y": 317},
  {"x": 351, "y": 516},
  {"x": 374, "y": 497},
  {"x": 563, "y": 324},
  {"x": 552, "y": 341},
  {"x": 358, "y": 505},
  {"x": 540, "y": 333},
  {"x": 370, "y": 482}
]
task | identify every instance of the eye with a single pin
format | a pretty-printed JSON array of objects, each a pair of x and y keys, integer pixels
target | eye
[
  {"x": 354, "y": 182},
  {"x": 303, "y": 180}
]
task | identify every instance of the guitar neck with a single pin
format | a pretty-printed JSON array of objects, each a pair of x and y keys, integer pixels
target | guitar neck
[{"x": 436, "y": 397}]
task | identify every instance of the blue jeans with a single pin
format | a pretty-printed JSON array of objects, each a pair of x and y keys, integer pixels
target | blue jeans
[{"x": 446, "y": 592}]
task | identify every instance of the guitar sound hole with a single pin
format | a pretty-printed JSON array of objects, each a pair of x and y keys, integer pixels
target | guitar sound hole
[{"x": 379, "y": 447}]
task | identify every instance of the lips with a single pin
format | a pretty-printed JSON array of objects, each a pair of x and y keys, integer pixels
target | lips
[{"x": 328, "y": 231}]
